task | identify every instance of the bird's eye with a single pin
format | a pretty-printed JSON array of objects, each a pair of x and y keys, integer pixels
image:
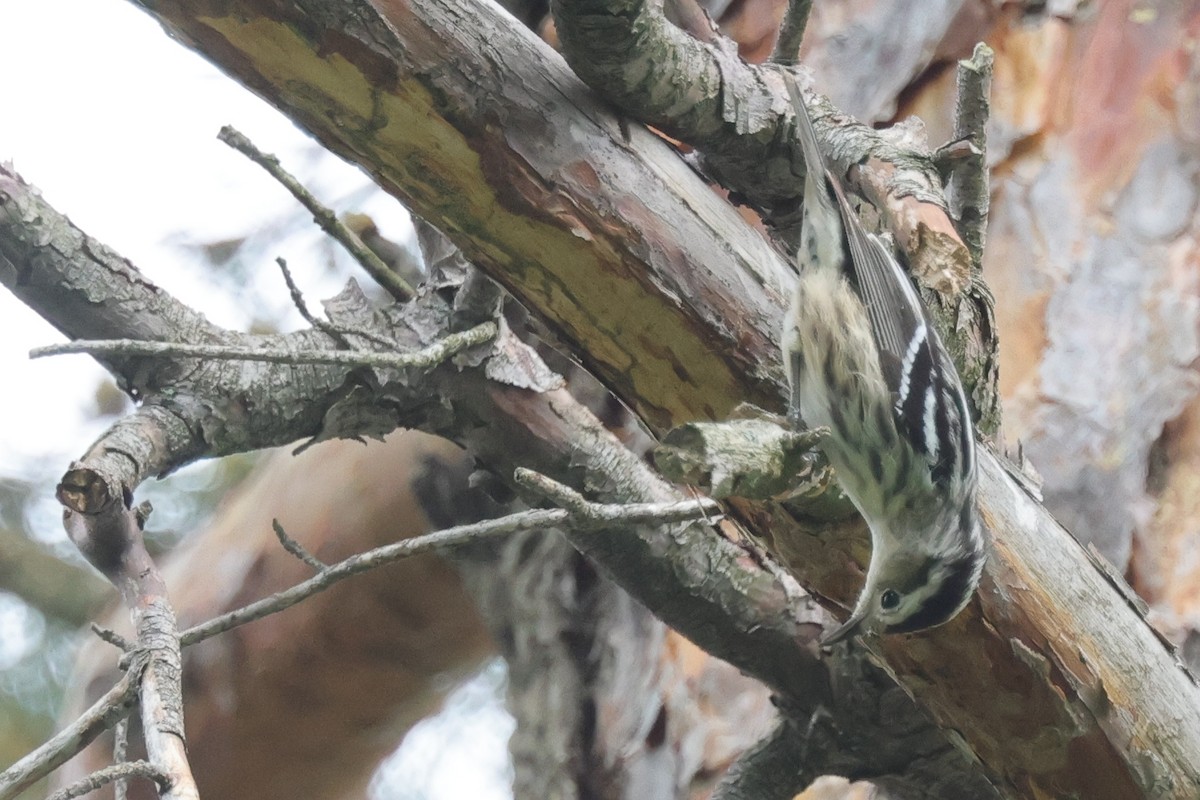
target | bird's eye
[{"x": 889, "y": 600}]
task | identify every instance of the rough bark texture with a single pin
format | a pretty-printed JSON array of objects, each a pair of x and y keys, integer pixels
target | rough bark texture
[
  {"x": 572, "y": 264},
  {"x": 1103, "y": 306},
  {"x": 337, "y": 679},
  {"x": 512, "y": 412},
  {"x": 485, "y": 133},
  {"x": 1052, "y": 678}
]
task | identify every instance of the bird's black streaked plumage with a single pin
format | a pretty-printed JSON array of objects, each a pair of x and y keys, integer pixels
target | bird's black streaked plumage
[
  {"x": 961, "y": 575},
  {"x": 864, "y": 359}
]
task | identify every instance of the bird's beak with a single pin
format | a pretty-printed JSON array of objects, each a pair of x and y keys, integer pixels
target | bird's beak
[{"x": 848, "y": 628}]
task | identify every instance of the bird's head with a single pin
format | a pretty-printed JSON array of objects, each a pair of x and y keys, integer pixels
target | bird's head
[{"x": 912, "y": 586}]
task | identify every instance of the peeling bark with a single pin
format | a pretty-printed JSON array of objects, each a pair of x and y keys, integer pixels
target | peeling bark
[{"x": 1052, "y": 677}]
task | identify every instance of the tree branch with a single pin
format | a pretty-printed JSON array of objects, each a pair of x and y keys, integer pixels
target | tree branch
[
  {"x": 120, "y": 756},
  {"x": 528, "y": 591},
  {"x": 775, "y": 769},
  {"x": 116, "y": 773},
  {"x": 440, "y": 351},
  {"x": 738, "y": 116},
  {"x": 791, "y": 32},
  {"x": 967, "y": 190},
  {"x": 395, "y": 285},
  {"x": 108, "y": 532},
  {"x": 585, "y": 517},
  {"x": 678, "y": 311}
]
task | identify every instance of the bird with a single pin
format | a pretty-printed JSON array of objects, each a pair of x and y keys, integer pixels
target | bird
[{"x": 863, "y": 360}]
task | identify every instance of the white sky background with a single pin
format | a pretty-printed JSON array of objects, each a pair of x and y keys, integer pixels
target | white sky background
[{"x": 116, "y": 125}]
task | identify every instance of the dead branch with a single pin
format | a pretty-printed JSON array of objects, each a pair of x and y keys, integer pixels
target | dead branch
[
  {"x": 118, "y": 773},
  {"x": 336, "y": 335},
  {"x": 1045, "y": 622},
  {"x": 967, "y": 190},
  {"x": 120, "y": 756},
  {"x": 791, "y": 32},
  {"x": 438, "y": 352},
  {"x": 386, "y": 277},
  {"x": 295, "y": 548},
  {"x": 585, "y": 516},
  {"x": 708, "y": 370},
  {"x": 101, "y": 523}
]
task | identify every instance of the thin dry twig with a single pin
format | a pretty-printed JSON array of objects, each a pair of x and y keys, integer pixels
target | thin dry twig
[
  {"x": 583, "y": 515},
  {"x": 302, "y": 307},
  {"x": 119, "y": 773},
  {"x": 120, "y": 754},
  {"x": 297, "y": 549},
  {"x": 426, "y": 357},
  {"x": 396, "y": 286},
  {"x": 791, "y": 32},
  {"x": 338, "y": 334},
  {"x": 112, "y": 637},
  {"x": 967, "y": 191}
]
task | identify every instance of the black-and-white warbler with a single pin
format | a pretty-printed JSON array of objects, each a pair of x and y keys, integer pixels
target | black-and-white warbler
[{"x": 863, "y": 359}]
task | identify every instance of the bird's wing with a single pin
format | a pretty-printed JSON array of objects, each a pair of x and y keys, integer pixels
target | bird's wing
[{"x": 914, "y": 364}]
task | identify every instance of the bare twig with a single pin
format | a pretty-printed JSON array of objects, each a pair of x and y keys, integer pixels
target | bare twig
[
  {"x": 429, "y": 356},
  {"x": 791, "y": 32},
  {"x": 112, "y": 637},
  {"x": 119, "y": 773},
  {"x": 967, "y": 190},
  {"x": 161, "y": 695},
  {"x": 558, "y": 493},
  {"x": 108, "y": 532},
  {"x": 110, "y": 709},
  {"x": 396, "y": 286},
  {"x": 302, "y": 307},
  {"x": 338, "y": 334},
  {"x": 120, "y": 753},
  {"x": 297, "y": 549},
  {"x": 583, "y": 515}
]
